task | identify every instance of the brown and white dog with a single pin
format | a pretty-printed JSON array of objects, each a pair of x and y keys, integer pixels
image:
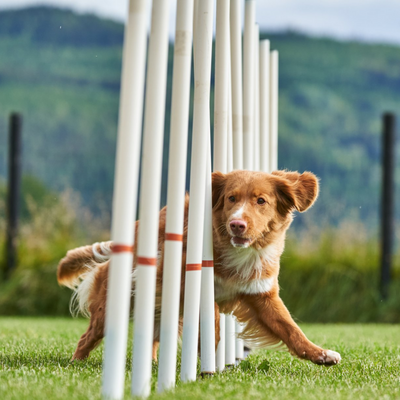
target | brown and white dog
[{"x": 251, "y": 214}]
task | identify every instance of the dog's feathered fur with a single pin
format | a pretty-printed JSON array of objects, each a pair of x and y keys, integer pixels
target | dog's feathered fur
[{"x": 246, "y": 262}]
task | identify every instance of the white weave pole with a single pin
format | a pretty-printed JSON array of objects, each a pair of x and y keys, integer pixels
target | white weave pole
[
  {"x": 230, "y": 335},
  {"x": 264, "y": 105},
  {"x": 274, "y": 90},
  {"x": 221, "y": 105},
  {"x": 147, "y": 250},
  {"x": 230, "y": 140},
  {"x": 236, "y": 82},
  {"x": 201, "y": 128},
  {"x": 235, "y": 124},
  {"x": 229, "y": 319},
  {"x": 221, "y": 90},
  {"x": 256, "y": 98},
  {"x": 239, "y": 344},
  {"x": 248, "y": 85},
  {"x": 124, "y": 201},
  {"x": 207, "y": 309},
  {"x": 230, "y": 127},
  {"x": 175, "y": 195}
]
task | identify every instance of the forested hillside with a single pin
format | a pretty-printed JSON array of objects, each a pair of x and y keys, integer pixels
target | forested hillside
[{"x": 62, "y": 72}]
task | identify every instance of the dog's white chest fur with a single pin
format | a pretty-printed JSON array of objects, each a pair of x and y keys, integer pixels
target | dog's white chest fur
[
  {"x": 227, "y": 290},
  {"x": 242, "y": 263}
]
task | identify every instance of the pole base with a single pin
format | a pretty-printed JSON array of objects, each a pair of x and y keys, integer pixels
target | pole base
[{"x": 205, "y": 374}]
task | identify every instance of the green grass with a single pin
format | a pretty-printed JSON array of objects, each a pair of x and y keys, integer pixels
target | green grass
[{"x": 35, "y": 354}]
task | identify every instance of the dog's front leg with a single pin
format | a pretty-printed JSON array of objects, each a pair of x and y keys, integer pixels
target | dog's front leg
[
  {"x": 217, "y": 325},
  {"x": 271, "y": 312}
]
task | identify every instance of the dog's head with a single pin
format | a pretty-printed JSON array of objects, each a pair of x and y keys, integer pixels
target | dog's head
[{"x": 253, "y": 208}]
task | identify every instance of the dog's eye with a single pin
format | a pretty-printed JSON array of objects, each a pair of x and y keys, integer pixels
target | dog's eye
[
  {"x": 260, "y": 200},
  {"x": 231, "y": 199}
]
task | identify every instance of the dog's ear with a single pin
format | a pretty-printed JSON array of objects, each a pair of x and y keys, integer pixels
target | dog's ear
[
  {"x": 285, "y": 196},
  {"x": 218, "y": 188},
  {"x": 296, "y": 191}
]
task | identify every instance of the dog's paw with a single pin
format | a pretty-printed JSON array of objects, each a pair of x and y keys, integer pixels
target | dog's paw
[
  {"x": 328, "y": 358},
  {"x": 79, "y": 356}
]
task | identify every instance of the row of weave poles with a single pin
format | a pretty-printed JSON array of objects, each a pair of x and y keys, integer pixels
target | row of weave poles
[{"x": 245, "y": 137}]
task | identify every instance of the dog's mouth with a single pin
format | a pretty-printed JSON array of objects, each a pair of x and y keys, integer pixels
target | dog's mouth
[{"x": 237, "y": 241}]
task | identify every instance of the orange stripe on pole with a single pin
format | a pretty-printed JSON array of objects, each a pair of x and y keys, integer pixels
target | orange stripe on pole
[
  {"x": 121, "y": 248},
  {"x": 174, "y": 237},
  {"x": 193, "y": 267},
  {"x": 152, "y": 262},
  {"x": 208, "y": 263}
]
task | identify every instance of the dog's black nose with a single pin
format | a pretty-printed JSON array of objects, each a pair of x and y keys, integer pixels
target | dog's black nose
[{"x": 238, "y": 227}]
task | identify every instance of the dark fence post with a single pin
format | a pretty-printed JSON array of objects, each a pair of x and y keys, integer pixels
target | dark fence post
[
  {"x": 387, "y": 205},
  {"x": 14, "y": 189}
]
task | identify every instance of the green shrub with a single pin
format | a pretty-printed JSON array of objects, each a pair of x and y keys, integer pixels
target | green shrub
[
  {"x": 333, "y": 276},
  {"x": 51, "y": 225}
]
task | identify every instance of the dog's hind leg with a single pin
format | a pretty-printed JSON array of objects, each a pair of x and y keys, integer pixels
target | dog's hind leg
[
  {"x": 97, "y": 308},
  {"x": 90, "y": 339}
]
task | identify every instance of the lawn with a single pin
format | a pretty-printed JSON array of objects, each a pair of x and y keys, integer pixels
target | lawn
[{"x": 35, "y": 354}]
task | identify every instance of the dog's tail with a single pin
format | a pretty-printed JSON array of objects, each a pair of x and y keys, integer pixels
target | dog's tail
[{"x": 81, "y": 260}]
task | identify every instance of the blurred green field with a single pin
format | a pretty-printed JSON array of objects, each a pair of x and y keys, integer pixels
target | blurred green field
[
  {"x": 61, "y": 70},
  {"x": 35, "y": 354},
  {"x": 66, "y": 83}
]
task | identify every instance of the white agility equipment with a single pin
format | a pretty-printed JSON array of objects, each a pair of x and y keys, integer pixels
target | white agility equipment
[
  {"x": 248, "y": 85},
  {"x": 236, "y": 84},
  {"x": 235, "y": 122},
  {"x": 201, "y": 129},
  {"x": 221, "y": 108},
  {"x": 230, "y": 335},
  {"x": 256, "y": 165},
  {"x": 264, "y": 105},
  {"x": 222, "y": 83},
  {"x": 239, "y": 344},
  {"x": 245, "y": 137},
  {"x": 273, "y": 133},
  {"x": 147, "y": 250},
  {"x": 124, "y": 201},
  {"x": 207, "y": 308},
  {"x": 175, "y": 195}
]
